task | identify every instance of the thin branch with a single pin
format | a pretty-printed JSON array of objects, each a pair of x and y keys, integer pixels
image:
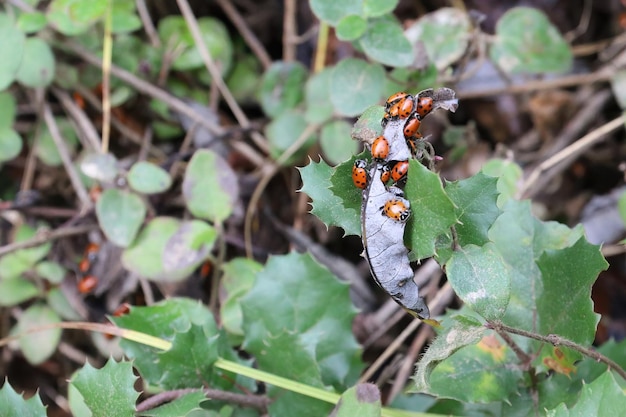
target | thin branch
[
  {"x": 147, "y": 24},
  {"x": 172, "y": 102},
  {"x": 545, "y": 169},
  {"x": 90, "y": 133},
  {"x": 269, "y": 173},
  {"x": 248, "y": 36},
  {"x": 289, "y": 31},
  {"x": 436, "y": 305},
  {"x": 64, "y": 152},
  {"x": 557, "y": 340},
  {"x": 45, "y": 236},
  {"x": 257, "y": 402}
]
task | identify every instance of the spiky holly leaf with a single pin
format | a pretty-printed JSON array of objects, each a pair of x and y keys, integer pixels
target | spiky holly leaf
[
  {"x": 433, "y": 211},
  {"x": 551, "y": 292},
  {"x": 602, "y": 397},
  {"x": 108, "y": 391},
  {"x": 461, "y": 331},
  {"x": 475, "y": 200},
  {"x": 480, "y": 277},
  {"x": 331, "y": 209},
  {"x": 195, "y": 343},
  {"x": 299, "y": 313},
  {"x": 14, "y": 405}
]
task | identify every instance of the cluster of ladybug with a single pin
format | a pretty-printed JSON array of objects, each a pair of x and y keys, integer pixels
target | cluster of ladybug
[
  {"x": 400, "y": 106},
  {"x": 88, "y": 282}
]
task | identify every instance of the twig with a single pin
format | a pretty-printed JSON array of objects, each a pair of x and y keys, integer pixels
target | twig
[
  {"x": 79, "y": 117},
  {"x": 248, "y": 36},
  {"x": 546, "y": 168},
  {"x": 171, "y": 101},
  {"x": 408, "y": 363},
  {"x": 269, "y": 172},
  {"x": 322, "y": 46},
  {"x": 441, "y": 299},
  {"x": 216, "y": 77},
  {"x": 46, "y": 236},
  {"x": 257, "y": 402},
  {"x": 557, "y": 340},
  {"x": 107, "y": 56},
  {"x": 58, "y": 140},
  {"x": 289, "y": 31},
  {"x": 147, "y": 24}
]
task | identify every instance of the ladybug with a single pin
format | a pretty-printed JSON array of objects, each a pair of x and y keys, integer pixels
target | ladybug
[
  {"x": 386, "y": 174},
  {"x": 412, "y": 144},
  {"x": 87, "y": 284},
  {"x": 380, "y": 148},
  {"x": 396, "y": 209},
  {"x": 394, "y": 99},
  {"x": 411, "y": 127},
  {"x": 359, "y": 174},
  {"x": 91, "y": 253},
  {"x": 122, "y": 310},
  {"x": 424, "y": 106},
  {"x": 399, "y": 170}
]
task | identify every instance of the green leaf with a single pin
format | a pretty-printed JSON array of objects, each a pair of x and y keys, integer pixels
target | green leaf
[
  {"x": 12, "y": 45},
  {"x": 351, "y": 28},
  {"x": 367, "y": 127},
  {"x": 526, "y": 41},
  {"x": 317, "y": 97},
  {"x": 475, "y": 200},
  {"x": 120, "y": 215},
  {"x": 16, "y": 290},
  {"x": 40, "y": 345},
  {"x": 552, "y": 269},
  {"x": 20, "y": 261},
  {"x": 148, "y": 178},
  {"x": 508, "y": 174},
  {"x": 99, "y": 166},
  {"x": 375, "y": 8},
  {"x": 384, "y": 41},
  {"x": 174, "y": 33},
  {"x": 239, "y": 276},
  {"x": 332, "y": 12},
  {"x": 51, "y": 271},
  {"x": 485, "y": 367},
  {"x": 8, "y": 106},
  {"x": 73, "y": 17},
  {"x": 355, "y": 85},
  {"x": 602, "y": 397},
  {"x": 433, "y": 211},
  {"x": 461, "y": 332},
  {"x": 621, "y": 206},
  {"x": 47, "y": 150},
  {"x": 14, "y": 405},
  {"x": 210, "y": 186},
  {"x": 444, "y": 34},
  {"x": 10, "y": 144},
  {"x": 57, "y": 300},
  {"x": 286, "y": 129},
  {"x": 282, "y": 87},
  {"x": 336, "y": 142},
  {"x": 37, "y": 66},
  {"x": 109, "y": 390},
  {"x": 362, "y": 400},
  {"x": 316, "y": 180},
  {"x": 480, "y": 277},
  {"x": 31, "y": 22},
  {"x": 299, "y": 313},
  {"x": 243, "y": 80},
  {"x": 178, "y": 248},
  {"x": 618, "y": 85},
  {"x": 565, "y": 306},
  {"x": 123, "y": 17}
]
